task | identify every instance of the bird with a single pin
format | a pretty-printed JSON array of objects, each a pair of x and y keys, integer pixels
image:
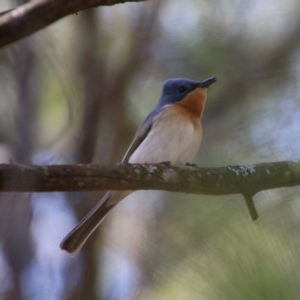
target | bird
[{"x": 172, "y": 132}]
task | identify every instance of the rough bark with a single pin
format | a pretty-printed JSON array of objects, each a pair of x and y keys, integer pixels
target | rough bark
[{"x": 244, "y": 179}]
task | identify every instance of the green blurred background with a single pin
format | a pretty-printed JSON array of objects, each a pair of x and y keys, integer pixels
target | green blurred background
[{"x": 75, "y": 93}]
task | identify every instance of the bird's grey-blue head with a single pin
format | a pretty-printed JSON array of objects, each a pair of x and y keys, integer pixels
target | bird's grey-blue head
[{"x": 174, "y": 90}]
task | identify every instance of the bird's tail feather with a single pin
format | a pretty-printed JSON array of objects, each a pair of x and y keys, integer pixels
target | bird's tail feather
[{"x": 73, "y": 242}]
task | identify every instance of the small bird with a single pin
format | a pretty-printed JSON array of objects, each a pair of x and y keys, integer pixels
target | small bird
[{"x": 172, "y": 132}]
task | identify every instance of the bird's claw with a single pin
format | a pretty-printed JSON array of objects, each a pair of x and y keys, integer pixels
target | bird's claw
[
  {"x": 166, "y": 163},
  {"x": 191, "y": 165}
]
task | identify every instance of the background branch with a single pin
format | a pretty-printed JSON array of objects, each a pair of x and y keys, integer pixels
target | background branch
[
  {"x": 244, "y": 179},
  {"x": 35, "y": 15}
]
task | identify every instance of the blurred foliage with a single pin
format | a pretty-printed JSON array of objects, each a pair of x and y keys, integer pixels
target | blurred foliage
[{"x": 104, "y": 68}]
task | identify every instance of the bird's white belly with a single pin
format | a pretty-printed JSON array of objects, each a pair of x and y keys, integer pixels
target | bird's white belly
[{"x": 172, "y": 138}]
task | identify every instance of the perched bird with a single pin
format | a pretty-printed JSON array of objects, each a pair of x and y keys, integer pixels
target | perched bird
[{"x": 171, "y": 132}]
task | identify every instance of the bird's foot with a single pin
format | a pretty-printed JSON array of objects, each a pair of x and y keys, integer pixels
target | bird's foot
[
  {"x": 191, "y": 165},
  {"x": 165, "y": 163}
]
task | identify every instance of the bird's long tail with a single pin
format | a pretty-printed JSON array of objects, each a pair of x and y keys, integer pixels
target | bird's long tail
[{"x": 73, "y": 242}]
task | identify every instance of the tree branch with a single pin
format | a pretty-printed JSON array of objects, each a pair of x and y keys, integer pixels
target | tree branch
[
  {"x": 35, "y": 15},
  {"x": 244, "y": 179}
]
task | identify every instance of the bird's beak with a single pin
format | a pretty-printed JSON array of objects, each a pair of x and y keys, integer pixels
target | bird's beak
[{"x": 207, "y": 82}]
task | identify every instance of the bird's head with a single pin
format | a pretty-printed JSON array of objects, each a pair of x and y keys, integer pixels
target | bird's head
[
  {"x": 175, "y": 90},
  {"x": 185, "y": 92}
]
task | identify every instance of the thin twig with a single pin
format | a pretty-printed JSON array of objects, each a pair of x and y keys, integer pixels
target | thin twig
[{"x": 251, "y": 206}]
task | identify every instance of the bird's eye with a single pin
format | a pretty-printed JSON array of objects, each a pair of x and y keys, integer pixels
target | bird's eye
[{"x": 182, "y": 89}]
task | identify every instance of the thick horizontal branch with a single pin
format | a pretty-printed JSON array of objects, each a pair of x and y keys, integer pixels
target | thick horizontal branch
[
  {"x": 246, "y": 179},
  {"x": 35, "y": 15}
]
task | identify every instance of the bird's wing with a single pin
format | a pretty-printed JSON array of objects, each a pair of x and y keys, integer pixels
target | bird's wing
[{"x": 141, "y": 133}]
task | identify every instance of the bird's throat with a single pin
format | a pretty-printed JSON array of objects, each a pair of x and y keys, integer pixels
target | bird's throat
[{"x": 194, "y": 101}]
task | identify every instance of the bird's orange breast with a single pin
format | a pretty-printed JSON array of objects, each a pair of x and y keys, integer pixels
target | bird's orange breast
[{"x": 194, "y": 102}]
